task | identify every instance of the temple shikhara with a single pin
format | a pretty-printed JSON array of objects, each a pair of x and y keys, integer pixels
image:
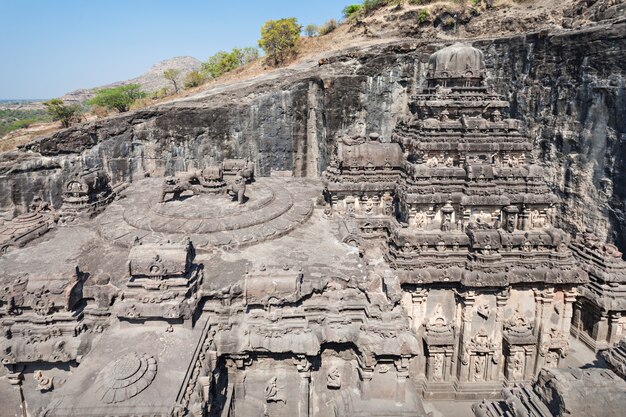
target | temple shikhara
[{"x": 423, "y": 266}]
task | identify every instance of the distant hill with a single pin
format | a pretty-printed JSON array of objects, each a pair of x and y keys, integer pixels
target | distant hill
[{"x": 150, "y": 81}]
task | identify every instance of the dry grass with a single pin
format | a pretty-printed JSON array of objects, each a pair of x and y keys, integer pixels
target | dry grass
[{"x": 19, "y": 137}]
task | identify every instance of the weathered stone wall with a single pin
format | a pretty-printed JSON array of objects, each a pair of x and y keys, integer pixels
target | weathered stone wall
[{"x": 569, "y": 88}]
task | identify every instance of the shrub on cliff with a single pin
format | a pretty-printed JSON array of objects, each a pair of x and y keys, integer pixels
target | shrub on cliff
[
  {"x": 279, "y": 39},
  {"x": 351, "y": 11},
  {"x": 194, "y": 79},
  {"x": 328, "y": 27},
  {"x": 369, "y": 5},
  {"x": 67, "y": 114},
  {"x": 223, "y": 62},
  {"x": 118, "y": 98}
]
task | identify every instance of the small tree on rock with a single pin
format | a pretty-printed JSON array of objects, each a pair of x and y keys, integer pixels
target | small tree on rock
[
  {"x": 172, "y": 75},
  {"x": 351, "y": 11},
  {"x": 118, "y": 98},
  {"x": 310, "y": 30},
  {"x": 279, "y": 39},
  {"x": 67, "y": 114}
]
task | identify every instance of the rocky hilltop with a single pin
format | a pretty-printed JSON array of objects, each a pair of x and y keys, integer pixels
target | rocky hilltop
[
  {"x": 152, "y": 80},
  {"x": 561, "y": 64}
]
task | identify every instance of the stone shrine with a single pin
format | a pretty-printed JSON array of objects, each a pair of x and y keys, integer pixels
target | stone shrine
[
  {"x": 600, "y": 312},
  {"x": 422, "y": 266}
]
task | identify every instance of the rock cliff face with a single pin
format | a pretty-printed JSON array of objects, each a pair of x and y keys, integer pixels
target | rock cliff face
[{"x": 568, "y": 87}]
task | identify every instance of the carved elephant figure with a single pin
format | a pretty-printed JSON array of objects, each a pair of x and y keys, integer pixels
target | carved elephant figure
[
  {"x": 238, "y": 188},
  {"x": 177, "y": 186},
  {"x": 248, "y": 172}
]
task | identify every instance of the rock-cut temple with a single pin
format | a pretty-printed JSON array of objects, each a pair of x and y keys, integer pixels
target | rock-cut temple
[{"x": 423, "y": 266}]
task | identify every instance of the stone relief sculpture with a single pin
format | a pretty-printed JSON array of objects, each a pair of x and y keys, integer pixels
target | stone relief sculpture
[{"x": 333, "y": 378}]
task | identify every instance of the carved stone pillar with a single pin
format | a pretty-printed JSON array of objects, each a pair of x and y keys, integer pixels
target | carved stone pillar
[
  {"x": 601, "y": 328},
  {"x": 543, "y": 300},
  {"x": 304, "y": 370},
  {"x": 568, "y": 310},
  {"x": 367, "y": 366},
  {"x": 614, "y": 337},
  {"x": 402, "y": 368},
  {"x": 236, "y": 372},
  {"x": 501, "y": 300},
  {"x": 468, "y": 300},
  {"x": 418, "y": 297},
  {"x": 577, "y": 324}
]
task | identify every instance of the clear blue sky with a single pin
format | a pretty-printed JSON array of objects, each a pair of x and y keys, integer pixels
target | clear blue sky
[{"x": 50, "y": 47}]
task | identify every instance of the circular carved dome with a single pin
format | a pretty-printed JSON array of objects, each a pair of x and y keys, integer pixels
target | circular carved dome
[
  {"x": 126, "y": 377},
  {"x": 456, "y": 61}
]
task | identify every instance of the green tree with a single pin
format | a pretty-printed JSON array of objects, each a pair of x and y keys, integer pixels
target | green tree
[
  {"x": 223, "y": 62},
  {"x": 310, "y": 30},
  {"x": 194, "y": 79},
  {"x": 351, "y": 10},
  {"x": 118, "y": 98},
  {"x": 279, "y": 39},
  {"x": 172, "y": 75},
  {"x": 65, "y": 113}
]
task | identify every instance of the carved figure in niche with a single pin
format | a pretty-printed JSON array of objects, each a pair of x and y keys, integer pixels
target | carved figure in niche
[
  {"x": 538, "y": 220},
  {"x": 444, "y": 115},
  {"x": 483, "y": 221},
  {"x": 446, "y": 223},
  {"x": 552, "y": 359},
  {"x": 432, "y": 162},
  {"x": 272, "y": 391},
  {"x": 387, "y": 204},
  {"x": 438, "y": 323},
  {"x": 438, "y": 367},
  {"x": 44, "y": 383},
  {"x": 510, "y": 223},
  {"x": 497, "y": 116},
  {"x": 484, "y": 310},
  {"x": 369, "y": 206},
  {"x": 479, "y": 367},
  {"x": 518, "y": 323},
  {"x": 449, "y": 162},
  {"x": 333, "y": 378},
  {"x": 517, "y": 365},
  {"x": 419, "y": 220}
]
